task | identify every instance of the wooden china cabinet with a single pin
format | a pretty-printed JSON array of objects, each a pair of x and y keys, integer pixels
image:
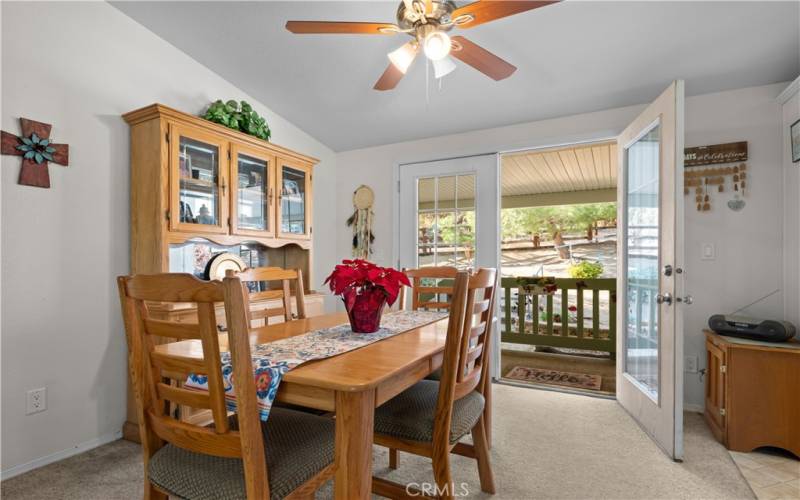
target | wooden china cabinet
[{"x": 198, "y": 189}]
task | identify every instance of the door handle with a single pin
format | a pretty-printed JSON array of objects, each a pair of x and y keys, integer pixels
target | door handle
[
  {"x": 664, "y": 299},
  {"x": 688, "y": 300}
]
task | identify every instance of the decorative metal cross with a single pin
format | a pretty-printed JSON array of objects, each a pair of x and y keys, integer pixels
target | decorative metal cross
[{"x": 36, "y": 150}]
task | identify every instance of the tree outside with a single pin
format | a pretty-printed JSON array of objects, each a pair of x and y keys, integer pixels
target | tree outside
[
  {"x": 551, "y": 221},
  {"x": 552, "y": 239}
]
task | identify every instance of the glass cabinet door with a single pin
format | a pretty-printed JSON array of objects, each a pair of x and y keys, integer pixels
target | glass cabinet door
[
  {"x": 295, "y": 200},
  {"x": 198, "y": 181},
  {"x": 252, "y": 193}
]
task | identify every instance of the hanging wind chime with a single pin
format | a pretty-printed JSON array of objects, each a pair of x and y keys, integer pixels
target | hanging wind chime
[{"x": 361, "y": 222}]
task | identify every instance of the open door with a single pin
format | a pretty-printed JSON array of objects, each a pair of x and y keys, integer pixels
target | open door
[{"x": 650, "y": 278}]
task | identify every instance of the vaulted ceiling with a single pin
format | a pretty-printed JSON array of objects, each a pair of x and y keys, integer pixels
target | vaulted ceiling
[{"x": 572, "y": 57}]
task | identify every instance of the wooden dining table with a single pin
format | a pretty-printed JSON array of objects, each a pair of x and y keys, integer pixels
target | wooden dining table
[{"x": 351, "y": 384}]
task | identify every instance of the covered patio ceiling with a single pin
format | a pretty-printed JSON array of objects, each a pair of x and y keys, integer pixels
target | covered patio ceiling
[{"x": 584, "y": 173}]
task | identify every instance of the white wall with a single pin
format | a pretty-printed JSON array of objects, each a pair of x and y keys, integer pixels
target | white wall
[
  {"x": 748, "y": 243},
  {"x": 80, "y": 66},
  {"x": 790, "y": 99}
]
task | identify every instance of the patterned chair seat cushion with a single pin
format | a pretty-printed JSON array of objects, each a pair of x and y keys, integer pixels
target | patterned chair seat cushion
[
  {"x": 410, "y": 414},
  {"x": 297, "y": 446}
]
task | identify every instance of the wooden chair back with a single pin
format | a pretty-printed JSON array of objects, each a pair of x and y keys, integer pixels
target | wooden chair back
[
  {"x": 157, "y": 377},
  {"x": 468, "y": 342},
  {"x": 427, "y": 281},
  {"x": 284, "y": 293}
]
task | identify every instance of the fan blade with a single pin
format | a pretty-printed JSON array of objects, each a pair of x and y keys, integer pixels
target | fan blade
[
  {"x": 340, "y": 28},
  {"x": 481, "y": 59},
  {"x": 389, "y": 79},
  {"x": 484, "y": 11}
]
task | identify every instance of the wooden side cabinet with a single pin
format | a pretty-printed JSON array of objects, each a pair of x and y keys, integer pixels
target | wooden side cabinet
[{"x": 753, "y": 393}]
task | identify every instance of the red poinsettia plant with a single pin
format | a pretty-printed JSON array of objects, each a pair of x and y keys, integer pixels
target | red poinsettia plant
[{"x": 365, "y": 288}]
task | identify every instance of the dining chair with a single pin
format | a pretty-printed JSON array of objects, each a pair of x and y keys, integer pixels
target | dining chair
[
  {"x": 286, "y": 277},
  {"x": 429, "y": 284},
  {"x": 238, "y": 455},
  {"x": 430, "y": 418}
]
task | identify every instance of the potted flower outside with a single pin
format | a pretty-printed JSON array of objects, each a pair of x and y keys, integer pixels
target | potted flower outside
[{"x": 365, "y": 289}]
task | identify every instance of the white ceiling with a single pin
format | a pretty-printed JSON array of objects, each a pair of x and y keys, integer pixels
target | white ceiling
[{"x": 573, "y": 57}]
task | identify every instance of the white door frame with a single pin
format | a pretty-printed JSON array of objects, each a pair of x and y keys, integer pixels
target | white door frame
[{"x": 480, "y": 249}]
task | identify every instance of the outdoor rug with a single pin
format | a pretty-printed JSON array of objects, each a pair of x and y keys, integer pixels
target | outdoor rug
[{"x": 555, "y": 377}]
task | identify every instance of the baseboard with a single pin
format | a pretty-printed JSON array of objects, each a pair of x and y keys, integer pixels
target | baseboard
[{"x": 59, "y": 455}]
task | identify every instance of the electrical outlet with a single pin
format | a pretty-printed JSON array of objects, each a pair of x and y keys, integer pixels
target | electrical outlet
[
  {"x": 36, "y": 401},
  {"x": 690, "y": 364}
]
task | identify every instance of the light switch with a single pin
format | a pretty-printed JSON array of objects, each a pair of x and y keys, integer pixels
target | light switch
[{"x": 708, "y": 251}]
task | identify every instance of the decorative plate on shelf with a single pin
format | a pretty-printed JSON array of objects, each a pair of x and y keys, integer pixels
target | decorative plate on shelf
[{"x": 221, "y": 262}]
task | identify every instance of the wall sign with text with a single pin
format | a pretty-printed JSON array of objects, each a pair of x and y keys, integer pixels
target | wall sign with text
[{"x": 731, "y": 152}]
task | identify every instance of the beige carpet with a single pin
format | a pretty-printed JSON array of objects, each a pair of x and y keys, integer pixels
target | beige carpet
[{"x": 547, "y": 445}]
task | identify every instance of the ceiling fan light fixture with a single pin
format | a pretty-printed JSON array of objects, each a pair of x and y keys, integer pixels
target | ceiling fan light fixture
[
  {"x": 437, "y": 45},
  {"x": 403, "y": 57},
  {"x": 443, "y": 67}
]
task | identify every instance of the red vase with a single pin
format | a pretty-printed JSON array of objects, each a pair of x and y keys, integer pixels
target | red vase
[{"x": 364, "y": 309}]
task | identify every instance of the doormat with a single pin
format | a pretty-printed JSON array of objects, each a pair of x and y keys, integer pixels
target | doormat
[{"x": 555, "y": 377}]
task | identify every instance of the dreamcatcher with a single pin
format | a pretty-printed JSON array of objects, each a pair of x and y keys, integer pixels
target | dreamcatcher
[{"x": 361, "y": 222}]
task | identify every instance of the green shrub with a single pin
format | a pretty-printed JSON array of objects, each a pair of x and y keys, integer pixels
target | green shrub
[
  {"x": 585, "y": 270},
  {"x": 241, "y": 118}
]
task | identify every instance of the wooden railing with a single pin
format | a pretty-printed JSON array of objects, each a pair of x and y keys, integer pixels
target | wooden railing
[
  {"x": 643, "y": 324},
  {"x": 525, "y": 322}
]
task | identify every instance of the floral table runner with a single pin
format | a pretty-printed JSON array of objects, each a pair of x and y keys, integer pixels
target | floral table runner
[{"x": 272, "y": 360}]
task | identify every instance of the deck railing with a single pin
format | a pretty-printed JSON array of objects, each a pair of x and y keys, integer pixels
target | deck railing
[
  {"x": 529, "y": 315},
  {"x": 643, "y": 310}
]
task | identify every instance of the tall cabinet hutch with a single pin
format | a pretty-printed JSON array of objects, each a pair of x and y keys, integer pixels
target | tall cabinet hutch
[{"x": 198, "y": 189}]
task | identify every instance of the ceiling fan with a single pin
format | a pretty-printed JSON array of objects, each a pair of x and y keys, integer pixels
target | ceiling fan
[{"x": 427, "y": 22}]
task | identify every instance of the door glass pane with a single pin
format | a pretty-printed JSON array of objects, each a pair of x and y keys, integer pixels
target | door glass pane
[
  {"x": 641, "y": 248},
  {"x": 426, "y": 222},
  {"x": 252, "y": 205},
  {"x": 465, "y": 221},
  {"x": 446, "y": 221},
  {"x": 293, "y": 201},
  {"x": 199, "y": 176}
]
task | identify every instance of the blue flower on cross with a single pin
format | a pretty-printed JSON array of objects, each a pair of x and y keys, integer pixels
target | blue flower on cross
[{"x": 36, "y": 148}]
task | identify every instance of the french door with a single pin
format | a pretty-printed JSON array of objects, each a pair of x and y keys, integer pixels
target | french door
[
  {"x": 650, "y": 278},
  {"x": 449, "y": 216}
]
